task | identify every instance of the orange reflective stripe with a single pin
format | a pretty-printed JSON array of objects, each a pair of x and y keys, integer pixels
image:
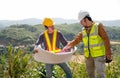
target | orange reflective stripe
[
  {"x": 51, "y": 47},
  {"x": 48, "y": 41},
  {"x": 54, "y": 40}
]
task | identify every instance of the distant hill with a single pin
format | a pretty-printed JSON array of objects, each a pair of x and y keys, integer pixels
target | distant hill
[
  {"x": 61, "y": 21},
  {"x": 111, "y": 23},
  {"x": 31, "y": 21},
  {"x": 34, "y": 21}
]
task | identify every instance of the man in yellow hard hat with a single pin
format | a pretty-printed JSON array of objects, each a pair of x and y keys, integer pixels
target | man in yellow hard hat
[
  {"x": 51, "y": 39},
  {"x": 96, "y": 45}
]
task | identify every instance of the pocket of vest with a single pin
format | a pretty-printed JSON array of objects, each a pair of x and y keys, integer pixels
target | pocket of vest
[{"x": 93, "y": 39}]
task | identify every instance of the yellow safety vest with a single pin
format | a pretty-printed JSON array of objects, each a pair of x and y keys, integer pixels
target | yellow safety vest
[
  {"x": 93, "y": 44},
  {"x": 51, "y": 46}
]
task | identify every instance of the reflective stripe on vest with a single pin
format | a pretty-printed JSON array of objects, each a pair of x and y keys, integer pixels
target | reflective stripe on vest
[
  {"x": 96, "y": 45},
  {"x": 51, "y": 46}
]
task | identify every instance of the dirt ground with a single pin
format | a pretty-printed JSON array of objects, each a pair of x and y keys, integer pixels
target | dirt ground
[{"x": 78, "y": 58}]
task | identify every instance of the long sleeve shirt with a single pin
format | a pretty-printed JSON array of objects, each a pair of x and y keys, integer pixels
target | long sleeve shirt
[
  {"x": 60, "y": 39},
  {"x": 101, "y": 32}
]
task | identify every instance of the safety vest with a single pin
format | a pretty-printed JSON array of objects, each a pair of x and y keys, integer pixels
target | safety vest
[
  {"x": 93, "y": 43},
  {"x": 51, "y": 46}
]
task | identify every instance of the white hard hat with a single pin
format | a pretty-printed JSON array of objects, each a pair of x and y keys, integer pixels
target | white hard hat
[{"x": 82, "y": 14}]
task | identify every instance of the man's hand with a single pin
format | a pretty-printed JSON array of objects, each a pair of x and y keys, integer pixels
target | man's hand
[
  {"x": 35, "y": 50},
  {"x": 108, "y": 58},
  {"x": 66, "y": 48}
]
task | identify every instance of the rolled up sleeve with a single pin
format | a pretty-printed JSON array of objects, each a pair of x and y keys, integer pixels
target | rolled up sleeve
[{"x": 77, "y": 39}]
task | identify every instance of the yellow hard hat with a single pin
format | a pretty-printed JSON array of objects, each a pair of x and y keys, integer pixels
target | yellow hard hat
[{"x": 48, "y": 22}]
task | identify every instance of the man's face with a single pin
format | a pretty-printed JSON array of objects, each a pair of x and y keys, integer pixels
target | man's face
[
  {"x": 50, "y": 29},
  {"x": 84, "y": 22}
]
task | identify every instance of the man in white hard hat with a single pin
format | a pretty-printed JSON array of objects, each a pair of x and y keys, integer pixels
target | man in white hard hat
[{"x": 96, "y": 45}]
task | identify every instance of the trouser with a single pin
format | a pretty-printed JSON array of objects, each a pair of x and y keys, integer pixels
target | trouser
[
  {"x": 97, "y": 64},
  {"x": 64, "y": 66}
]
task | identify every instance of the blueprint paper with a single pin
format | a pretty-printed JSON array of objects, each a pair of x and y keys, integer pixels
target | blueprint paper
[{"x": 52, "y": 58}]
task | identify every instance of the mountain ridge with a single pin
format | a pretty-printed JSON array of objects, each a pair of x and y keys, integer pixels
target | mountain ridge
[{"x": 35, "y": 21}]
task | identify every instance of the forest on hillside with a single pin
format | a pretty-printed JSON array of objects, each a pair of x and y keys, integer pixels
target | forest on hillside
[{"x": 26, "y": 34}]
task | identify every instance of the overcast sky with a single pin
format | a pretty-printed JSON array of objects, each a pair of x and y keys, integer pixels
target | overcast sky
[{"x": 67, "y": 9}]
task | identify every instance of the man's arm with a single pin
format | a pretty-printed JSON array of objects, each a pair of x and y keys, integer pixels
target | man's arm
[
  {"x": 39, "y": 41},
  {"x": 62, "y": 39},
  {"x": 74, "y": 42},
  {"x": 104, "y": 36}
]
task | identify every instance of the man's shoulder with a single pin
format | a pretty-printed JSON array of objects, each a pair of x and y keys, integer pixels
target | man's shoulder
[
  {"x": 59, "y": 32},
  {"x": 41, "y": 34},
  {"x": 99, "y": 24}
]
